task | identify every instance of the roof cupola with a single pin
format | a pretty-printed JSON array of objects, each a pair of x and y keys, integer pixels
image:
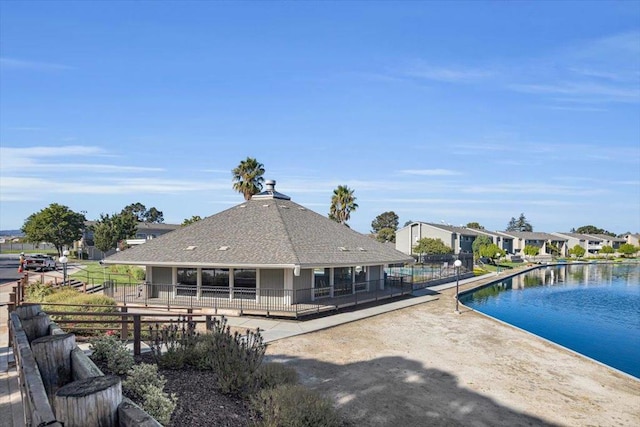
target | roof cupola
[{"x": 270, "y": 192}]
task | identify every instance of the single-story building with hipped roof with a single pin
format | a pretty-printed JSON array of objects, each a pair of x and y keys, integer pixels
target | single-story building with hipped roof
[{"x": 265, "y": 247}]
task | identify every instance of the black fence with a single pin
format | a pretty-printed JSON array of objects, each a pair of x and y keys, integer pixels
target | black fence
[{"x": 284, "y": 302}]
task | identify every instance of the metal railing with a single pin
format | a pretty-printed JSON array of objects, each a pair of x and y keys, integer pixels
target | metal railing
[{"x": 287, "y": 302}]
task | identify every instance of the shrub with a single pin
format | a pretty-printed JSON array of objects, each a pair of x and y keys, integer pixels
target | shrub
[
  {"x": 234, "y": 358},
  {"x": 140, "y": 377},
  {"x": 120, "y": 360},
  {"x": 272, "y": 375},
  {"x": 159, "y": 404},
  {"x": 138, "y": 273},
  {"x": 294, "y": 406},
  {"x": 102, "y": 346},
  {"x": 116, "y": 354},
  {"x": 81, "y": 302},
  {"x": 177, "y": 339},
  {"x": 38, "y": 292}
]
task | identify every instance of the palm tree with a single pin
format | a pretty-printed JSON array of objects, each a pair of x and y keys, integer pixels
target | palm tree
[
  {"x": 248, "y": 177},
  {"x": 343, "y": 202}
]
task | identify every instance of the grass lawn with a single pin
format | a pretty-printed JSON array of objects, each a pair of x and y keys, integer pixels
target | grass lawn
[{"x": 94, "y": 272}]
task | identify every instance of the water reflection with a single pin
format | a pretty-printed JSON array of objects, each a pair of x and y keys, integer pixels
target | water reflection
[{"x": 593, "y": 309}]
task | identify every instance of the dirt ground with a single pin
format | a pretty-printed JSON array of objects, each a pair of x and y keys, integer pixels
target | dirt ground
[{"x": 426, "y": 365}]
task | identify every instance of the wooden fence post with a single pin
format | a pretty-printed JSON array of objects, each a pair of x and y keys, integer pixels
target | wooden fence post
[
  {"x": 124, "y": 333},
  {"x": 136, "y": 334},
  {"x": 53, "y": 355},
  {"x": 90, "y": 402}
]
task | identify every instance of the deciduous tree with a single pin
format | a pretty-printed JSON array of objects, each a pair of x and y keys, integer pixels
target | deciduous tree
[
  {"x": 492, "y": 251},
  {"x": 592, "y": 229},
  {"x": 247, "y": 177},
  {"x": 429, "y": 246},
  {"x": 627, "y": 249},
  {"x": 55, "y": 224},
  {"x": 607, "y": 250},
  {"x": 142, "y": 214},
  {"x": 480, "y": 242},
  {"x": 105, "y": 236},
  {"x": 109, "y": 230},
  {"x": 475, "y": 226},
  {"x": 531, "y": 250},
  {"x": 578, "y": 251}
]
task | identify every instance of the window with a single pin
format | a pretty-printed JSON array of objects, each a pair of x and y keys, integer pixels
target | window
[
  {"x": 321, "y": 277},
  {"x": 342, "y": 280},
  {"x": 215, "y": 282},
  {"x": 187, "y": 281},
  {"x": 215, "y": 277},
  {"x": 244, "y": 278}
]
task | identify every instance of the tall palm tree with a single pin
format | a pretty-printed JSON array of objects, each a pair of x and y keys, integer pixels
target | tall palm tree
[
  {"x": 248, "y": 177},
  {"x": 343, "y": 202}
]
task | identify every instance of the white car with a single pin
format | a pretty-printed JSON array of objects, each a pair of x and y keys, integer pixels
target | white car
[{"x": 39, "y": 262}]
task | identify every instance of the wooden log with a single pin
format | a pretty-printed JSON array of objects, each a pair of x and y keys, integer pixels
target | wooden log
[
  {"x": 53, "y": 355},
  {"x": 82, "y": 367},
  {"x": 37, "y": 408},
  {"x": 131, "y": 415},
  {"x": 54, "y": 329},
  {"x": 90, "y": 402},
  {"x": 37, "y": 326},
  {"x": 26, "y": 311}
]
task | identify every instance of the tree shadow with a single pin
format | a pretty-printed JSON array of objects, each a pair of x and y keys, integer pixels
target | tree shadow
[{"x": 394, "y": 391}]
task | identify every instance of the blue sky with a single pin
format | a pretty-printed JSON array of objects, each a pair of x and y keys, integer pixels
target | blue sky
[{"x": 455, "y": 112}]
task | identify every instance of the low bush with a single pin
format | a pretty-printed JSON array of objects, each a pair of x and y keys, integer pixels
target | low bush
[
  {"x": 159, "y": 404},
  {"x": 234, "y": 358},
  {"x": 174, "y": 345},
  {"x": 271, "y": 375},
  {"x": 116, "y": 356},
  {"x": 102, "y": 346},
  {"x": 38, "y": 292},
  {"x": 140, "y": 377},
  {"x": 294, "y": 406}
]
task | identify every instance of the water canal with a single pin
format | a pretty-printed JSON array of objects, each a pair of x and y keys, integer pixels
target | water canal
[{"x": 593, "y": 309}]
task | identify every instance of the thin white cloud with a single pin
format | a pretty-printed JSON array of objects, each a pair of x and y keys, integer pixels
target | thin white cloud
[
  {"x": 25, "y": 128},
  {"x": 430, "y": 172},
  {"x": 34, "y": 160},
  {"x": 20, "y": 64},
  {"x": 584, "y": 89},
  {"x": 30, "y": 188},
  {"x": 533, "y": 188},
  {"x": 448, "y": 74}
]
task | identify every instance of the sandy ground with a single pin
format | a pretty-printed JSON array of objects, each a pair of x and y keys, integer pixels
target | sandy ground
[{"x": 426, "y": 365}]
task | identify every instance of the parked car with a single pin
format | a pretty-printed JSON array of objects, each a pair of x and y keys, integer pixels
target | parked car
[{"x": 39, "y": 262}]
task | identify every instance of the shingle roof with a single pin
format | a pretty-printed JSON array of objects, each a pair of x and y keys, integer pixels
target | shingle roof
[
  {"x": 531, "y": 235},
  {"x": 578, "y": 236},
  {"x": 262, "y": 232},
  {"x": 608, "y": 238}
]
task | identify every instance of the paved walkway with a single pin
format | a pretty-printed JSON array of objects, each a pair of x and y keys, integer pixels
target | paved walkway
[{"x": 272, "y": 329}]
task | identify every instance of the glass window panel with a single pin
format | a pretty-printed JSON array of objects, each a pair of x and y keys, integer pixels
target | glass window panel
[{"x": 244, "y": 278}]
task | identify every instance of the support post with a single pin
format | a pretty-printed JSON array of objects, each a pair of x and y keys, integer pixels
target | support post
[
  {"x": 124, "y": 333},
  {"x": 136, "y": 334}
]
